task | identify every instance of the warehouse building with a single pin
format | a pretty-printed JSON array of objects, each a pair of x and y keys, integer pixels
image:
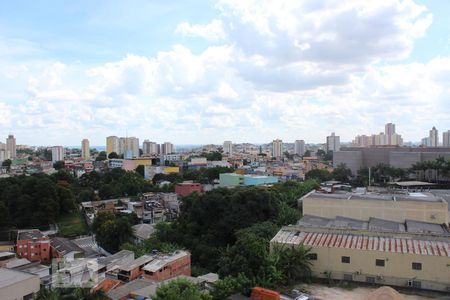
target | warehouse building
[
  {"x": 398, "y": 207},
  {"x": 413, "y": 254}
]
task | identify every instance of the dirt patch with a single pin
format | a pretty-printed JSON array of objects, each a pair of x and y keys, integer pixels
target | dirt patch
[{"x": 360, "y": 293}]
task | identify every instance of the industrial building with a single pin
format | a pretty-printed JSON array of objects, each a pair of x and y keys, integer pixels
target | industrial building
[
  {"x": 16, "y": 284},
  {"x": 393, "y": 238},
  {"x": 374, "y": 255},
  {"x": 398, "y": 207},
  {"x": 356, "y": 158},
  {"x": 234, "y": 179}
]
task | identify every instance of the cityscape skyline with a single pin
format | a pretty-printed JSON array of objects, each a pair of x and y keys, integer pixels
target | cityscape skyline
[{"x": 197, "y": 78}]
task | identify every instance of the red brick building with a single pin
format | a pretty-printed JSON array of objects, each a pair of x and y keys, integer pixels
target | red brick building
[
  {"x": 33, "y": 245},
  {"x": 168, "y": 266},
  {"x": 185, "y": 188}
]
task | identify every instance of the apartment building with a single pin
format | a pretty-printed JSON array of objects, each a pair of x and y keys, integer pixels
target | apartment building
[{"x": 33, "y": 245}]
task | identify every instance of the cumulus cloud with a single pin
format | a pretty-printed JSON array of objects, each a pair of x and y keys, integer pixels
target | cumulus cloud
[
  {"x": 288, "y": 69},
  {"x": 212, "y": 31}
]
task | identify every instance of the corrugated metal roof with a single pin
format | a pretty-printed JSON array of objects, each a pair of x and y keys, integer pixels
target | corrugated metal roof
[{"x": 361, "y": 242}]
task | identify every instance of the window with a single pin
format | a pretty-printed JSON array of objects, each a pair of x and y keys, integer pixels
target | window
[
  {"x": 416, "y": 266},
  {"x": 345, "y": 259},
  {"x": 348, "y": 277},
  {"x": 370, "y": 279},
  {"x": 312, "y": 256},
  {"x": 379, "y": 262},
  {"x": 416, "y": 284}
]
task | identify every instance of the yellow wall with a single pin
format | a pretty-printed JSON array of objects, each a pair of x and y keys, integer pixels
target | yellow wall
[
  {"x": 433, "y": 212},
  {"x": 435, "y": 273},
  {"x": 9, "y": 248},
  {"x": 169, "y": 170}
]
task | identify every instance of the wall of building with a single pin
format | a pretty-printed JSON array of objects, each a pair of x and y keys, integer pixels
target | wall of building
[
  {"x": 34, "y": 250},
  {"x": 178, "y": 267},
  {"x": 435, "y": 273},
  {"x": 20, "y": 289},
  {"x": 231, "y": 179},
  {"x": 352, "y": 159},
  {"x": 433, "y": 212},
  {"x": 402, "y": 157},
  {"x": 186, "y": 189}
]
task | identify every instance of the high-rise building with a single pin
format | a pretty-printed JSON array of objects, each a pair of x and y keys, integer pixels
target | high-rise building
[
  {"x": 389, "y": 131},
  {"x": 333, "y": 143},
  {"x": 2, "y": 152},
  {"x": 131, "y": 147},
  {"x": 277, "y": 148},
  {"x": 228, "y": 148},
  {"x": 167, "y": 148},
  {"x": 149, "y": 148},
  {"x": 425, "y": 142},
  {"x": 85, "y": 149},
  {"x": 434, "y": 137},
  {"x": 58, "y": 153},
  {"x": 446, "y": 138},
  {"x": 388, "y": 137},
  {"x": 112, "y": 144},
  {"x": 299, "y": 147},
  {"x": 11, "y": 147}
]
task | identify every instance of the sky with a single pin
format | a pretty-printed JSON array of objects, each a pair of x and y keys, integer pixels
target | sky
[{"x": 199, "y": 72}]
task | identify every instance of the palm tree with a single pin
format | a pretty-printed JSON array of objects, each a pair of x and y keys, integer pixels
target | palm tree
[{"x": 293, "y": 262}]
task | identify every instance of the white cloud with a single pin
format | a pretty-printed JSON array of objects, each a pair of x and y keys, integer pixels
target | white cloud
[
  {"x": 212, "y": 31},
  {"x": 288, "y": 69}
]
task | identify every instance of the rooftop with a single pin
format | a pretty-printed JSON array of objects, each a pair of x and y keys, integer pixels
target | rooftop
[
  {"x": 126, "y": 289},
  {"x": 143, "y": 231},
  {"x": 374, "y": 224},
  {"x": 64, "y": 245},
  {"x": 162, "y": 260},
  {"x": 29, "y": 234},
  {"x": 9, "y": 277},
  {"x": 363, "y": 242},
  {"x": 116, "y": 258},
  {"x": 137, "y": 262},
  {"x": 425, "y": 196}
]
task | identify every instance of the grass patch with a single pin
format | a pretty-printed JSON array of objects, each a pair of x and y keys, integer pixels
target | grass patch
[{"x": 72, "y": 225}]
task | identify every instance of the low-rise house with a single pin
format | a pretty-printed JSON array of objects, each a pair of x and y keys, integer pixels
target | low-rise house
[
  {"x": 6, "y": 257},
  {"x": 142, "y": 232},
  {"x": 16, "y": 284},
  {"x": 185, "y": 188},
  {"x": 133, "y": 269},
  {"x": 165, "y": 266},
  {"x": 65, "y": 248},
  {"x": 33, "y": 245},
  {"x": 6, "y": 246}
]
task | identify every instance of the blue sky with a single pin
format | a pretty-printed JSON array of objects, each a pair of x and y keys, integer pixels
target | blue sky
[{"x": 195, "y": 72}]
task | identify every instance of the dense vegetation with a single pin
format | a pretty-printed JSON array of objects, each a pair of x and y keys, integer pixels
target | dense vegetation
[
  {"x": 228, "y": 231},
  {"x": 33, "y": 201},
  {"x": 202, "y": 175},
  {"x": 112, "y": 230}
]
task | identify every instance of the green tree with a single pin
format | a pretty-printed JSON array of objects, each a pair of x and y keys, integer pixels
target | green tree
[
  {"x": 231, "y": 285},
  {"x": 58, "y": 165},
  {"x": 292, "y": 262},
  {"x": 319, "y": 175},
  {"x": 7, "y": 163},
  {"x": 113, "y": 155},
  {"x": 181, "y": 289},
  {"x": 140, "y": 170},
  {"x": 101, "y": 156},
  {"x": 215, "y": 155},
  {"x": 111, "y": 231},
  {"x": 341, "y": 173}
]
